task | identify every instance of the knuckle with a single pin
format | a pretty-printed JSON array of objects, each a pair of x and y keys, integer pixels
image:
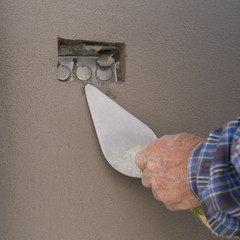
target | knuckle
[
  {"x": 141, "y": 160},
  {"x": 158, "y": 183},
  {"x": 154, "y": 146},
  {"x": 166, "y": 198},
  {"x": 166, "y": 137},
  {"x": 155, "y": 194},
  {"x": 171, "y": 207},
  {"x": 146, "y": 183},
  {"x": 138, "y": 158},
  {"x": 157, "y": 189},
  {"x": 155, "y": 165},
  {"x": 146, "y": 180},
  {"x": 169, "y": 198},
  {"x": 151, "y": 166}
]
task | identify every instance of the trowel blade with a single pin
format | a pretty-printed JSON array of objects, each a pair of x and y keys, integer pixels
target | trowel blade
[{"x": 120, "y": 134}]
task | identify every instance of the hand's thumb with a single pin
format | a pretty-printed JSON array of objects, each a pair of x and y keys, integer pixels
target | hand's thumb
[{"x": 141, "y": 160}]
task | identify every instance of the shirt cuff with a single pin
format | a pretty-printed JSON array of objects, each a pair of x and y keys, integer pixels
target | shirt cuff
[{"x": 193, "y": 166}]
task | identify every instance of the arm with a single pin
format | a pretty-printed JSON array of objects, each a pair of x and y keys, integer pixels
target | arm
[
  {"x": 212, "y": 178},
  {"x": 213, "y": 175}
]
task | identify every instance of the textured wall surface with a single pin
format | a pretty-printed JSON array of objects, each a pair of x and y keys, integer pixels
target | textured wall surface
[{"x": 182, "y": 76}]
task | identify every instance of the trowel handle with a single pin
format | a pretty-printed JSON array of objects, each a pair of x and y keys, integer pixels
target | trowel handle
[{"x": 200, "y": 215}]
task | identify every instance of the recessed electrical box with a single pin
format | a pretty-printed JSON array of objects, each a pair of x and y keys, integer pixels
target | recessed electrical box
[{"x": 90, "y": 61}]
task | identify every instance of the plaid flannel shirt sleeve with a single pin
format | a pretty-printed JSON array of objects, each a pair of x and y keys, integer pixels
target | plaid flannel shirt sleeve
[{"x": 214, "y": 178}]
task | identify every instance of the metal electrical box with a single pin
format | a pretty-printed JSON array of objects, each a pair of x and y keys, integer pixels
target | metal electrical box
[{"x": 90, "y": 61}]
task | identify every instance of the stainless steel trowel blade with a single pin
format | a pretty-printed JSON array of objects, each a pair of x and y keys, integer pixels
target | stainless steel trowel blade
[{"x": 120, "y": 134}]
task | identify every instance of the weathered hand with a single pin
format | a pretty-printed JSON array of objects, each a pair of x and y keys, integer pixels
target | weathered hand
[{"x": 164, "y": 166}]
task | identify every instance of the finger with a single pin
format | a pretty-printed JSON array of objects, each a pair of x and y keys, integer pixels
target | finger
[
  {"x": 171, "y": 207},
  {"x": 155, "y": 195},
  {"x": 177, "y": 206},
  {"x": 157, "y": 187},
  {"x": 141, "y": 160},
  {"x": 167, "y": 138},
  {"x": 147, "y": 179}
]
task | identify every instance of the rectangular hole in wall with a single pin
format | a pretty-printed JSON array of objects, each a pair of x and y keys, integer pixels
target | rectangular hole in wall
[{"x": 91, "y": 61}]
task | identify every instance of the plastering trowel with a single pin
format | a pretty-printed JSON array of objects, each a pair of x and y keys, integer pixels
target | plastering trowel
[{"x": 121, "y": 135}]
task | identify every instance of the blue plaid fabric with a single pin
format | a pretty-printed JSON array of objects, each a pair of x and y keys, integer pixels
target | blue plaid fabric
[{"x": 214, "y": 178}]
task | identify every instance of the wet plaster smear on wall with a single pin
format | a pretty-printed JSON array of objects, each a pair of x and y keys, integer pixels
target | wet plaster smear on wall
[{"x": 182, "y": 75}]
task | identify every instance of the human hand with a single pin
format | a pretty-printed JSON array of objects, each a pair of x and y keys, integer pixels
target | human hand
[{"x": 164, "y": 166}]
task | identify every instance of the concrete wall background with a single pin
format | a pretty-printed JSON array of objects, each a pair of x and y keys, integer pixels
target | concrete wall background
[{"x": 182, "y": 76}]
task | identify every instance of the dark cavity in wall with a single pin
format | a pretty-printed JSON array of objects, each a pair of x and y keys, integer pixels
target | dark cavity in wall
[{"x": 99, "y": 63}]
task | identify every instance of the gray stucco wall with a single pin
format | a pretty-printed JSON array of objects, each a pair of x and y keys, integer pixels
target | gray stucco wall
[{"x": 182, "y": 76}]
